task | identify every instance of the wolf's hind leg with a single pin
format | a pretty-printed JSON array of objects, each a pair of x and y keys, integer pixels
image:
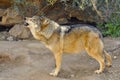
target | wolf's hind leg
[
  {"x": 109, "y": 60},
  {"x": 99, "y": 57}
]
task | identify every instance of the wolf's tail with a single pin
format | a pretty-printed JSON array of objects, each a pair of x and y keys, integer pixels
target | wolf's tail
[{"x": 108, "y": 58}]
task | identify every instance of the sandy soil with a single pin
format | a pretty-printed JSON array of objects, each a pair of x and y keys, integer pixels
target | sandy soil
[{"x": 30, "y": 60}]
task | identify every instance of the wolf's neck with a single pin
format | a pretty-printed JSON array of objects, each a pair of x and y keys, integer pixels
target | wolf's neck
[{"x": 37, "y": 36}]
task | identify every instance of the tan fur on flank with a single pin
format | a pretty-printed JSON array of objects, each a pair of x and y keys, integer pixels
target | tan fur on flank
[{"x": 69, "y": 39}]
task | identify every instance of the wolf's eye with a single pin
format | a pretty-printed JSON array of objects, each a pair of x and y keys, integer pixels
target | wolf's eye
[{"x": 30, "y": 19}]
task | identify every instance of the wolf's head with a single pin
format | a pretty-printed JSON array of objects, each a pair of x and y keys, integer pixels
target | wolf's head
[{"x": 41, "y": 25}]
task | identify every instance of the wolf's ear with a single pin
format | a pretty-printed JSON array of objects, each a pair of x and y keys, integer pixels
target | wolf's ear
[{"x": 47, "y": 28}]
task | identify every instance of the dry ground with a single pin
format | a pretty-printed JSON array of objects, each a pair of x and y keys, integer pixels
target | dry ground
[{"x": 30, "y": 60}]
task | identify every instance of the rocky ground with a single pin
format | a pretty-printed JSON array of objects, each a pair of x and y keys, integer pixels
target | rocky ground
[{"x": 30, "y": 60}]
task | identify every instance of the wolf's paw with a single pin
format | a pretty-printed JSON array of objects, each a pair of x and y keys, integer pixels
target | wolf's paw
[
  {"x": 98, "y": 71},
  {"x": 53, "y": 74},
  {"x": 109, "y": 65}
]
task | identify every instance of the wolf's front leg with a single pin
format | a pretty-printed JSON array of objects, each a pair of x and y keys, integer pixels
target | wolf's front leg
[{"x": 58, "y": 59}]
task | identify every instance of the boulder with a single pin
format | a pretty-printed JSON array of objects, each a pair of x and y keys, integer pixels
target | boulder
[
  {"x": 5, "y": 3},
  {"x": 65, "y": 13},
  {"x": 20, "y": 31},
  {"x": 1, "y": 12},
  {"x": 11, "y": 17}
]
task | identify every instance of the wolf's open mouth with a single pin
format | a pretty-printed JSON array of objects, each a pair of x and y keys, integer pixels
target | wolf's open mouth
[{"x": 26, "y": 24}]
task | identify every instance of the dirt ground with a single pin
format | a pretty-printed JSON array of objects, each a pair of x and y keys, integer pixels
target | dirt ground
[{"x": 30, "y": 60}]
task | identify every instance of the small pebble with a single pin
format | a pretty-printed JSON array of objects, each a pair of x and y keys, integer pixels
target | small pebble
[
  {"x": 72, "y": 75},
  {"x": 115, "y": 57}
]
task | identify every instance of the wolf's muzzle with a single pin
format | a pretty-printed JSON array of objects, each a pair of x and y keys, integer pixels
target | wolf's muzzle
[{"x": 26, "y": 24}]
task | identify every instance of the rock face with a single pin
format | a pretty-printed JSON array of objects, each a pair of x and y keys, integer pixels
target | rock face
[
  {"x": 2, "y": 12},
  {"x": 60, "y": 12},
  {"x": 19, "y": 31},
  {"x": 11, "y": 17},
  {"x": 5, "y": 3}
]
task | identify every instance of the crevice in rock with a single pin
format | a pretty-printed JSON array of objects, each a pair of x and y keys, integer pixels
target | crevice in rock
[
  {"x": 74, "y": 20},
  {"x": 5, "y": 28},
  {"x": 0, "y": 18}
]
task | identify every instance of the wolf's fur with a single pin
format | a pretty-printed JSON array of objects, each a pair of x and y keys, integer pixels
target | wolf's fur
[{"x": 69, "y": 39}]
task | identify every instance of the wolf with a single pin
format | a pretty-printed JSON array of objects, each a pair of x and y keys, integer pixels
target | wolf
[{"x": 69, "y": 39}]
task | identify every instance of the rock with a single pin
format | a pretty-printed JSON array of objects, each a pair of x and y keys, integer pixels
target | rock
[
  {"x": 2, "y": 12},
  {"x": 11, "y": 17},
  {"x": 62, "y": 13},
  {"x": 19, "y": 31},
  {"x": 115, "y": 57},
  {"x": 4, "y": 35},
  {"x": 5, "y": 3},
  {"x": 10, "y": 38}
]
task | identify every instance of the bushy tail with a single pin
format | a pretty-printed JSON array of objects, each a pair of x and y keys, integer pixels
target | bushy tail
[{"x": 108, "y": 58}]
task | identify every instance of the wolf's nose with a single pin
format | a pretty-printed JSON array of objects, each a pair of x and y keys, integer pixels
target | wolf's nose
[{"x": 26, "y": 24}]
